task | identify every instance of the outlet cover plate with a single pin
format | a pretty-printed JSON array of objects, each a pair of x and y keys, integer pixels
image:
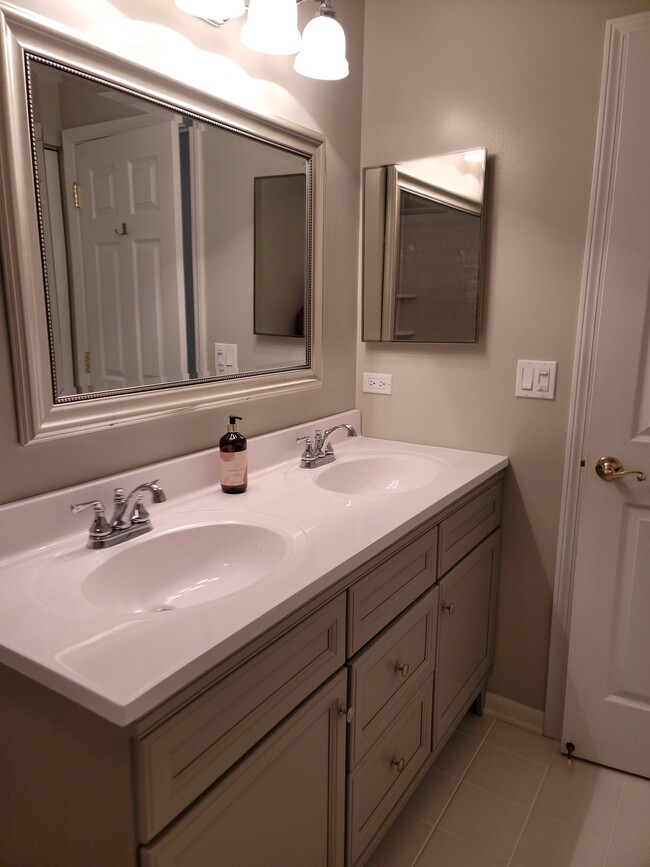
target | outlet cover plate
[{"x": 378, "y": 383}]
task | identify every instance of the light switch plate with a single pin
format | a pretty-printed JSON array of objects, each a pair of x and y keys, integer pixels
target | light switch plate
[
  {"x": 536, "y": 379},
  {"x": 225, "y": 359}
]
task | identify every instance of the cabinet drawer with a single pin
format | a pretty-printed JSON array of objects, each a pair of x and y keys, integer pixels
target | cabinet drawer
[
  {"x": 463, "y": 530},
  {"x": 283, "y": 804},
  {"x": 182, "y": 757},
  {"x": 465, "y": 631},
  {"x": 376, "y": 784},
  {"x": 387, "y": 590},
  {"x": 387, "y": 671}
]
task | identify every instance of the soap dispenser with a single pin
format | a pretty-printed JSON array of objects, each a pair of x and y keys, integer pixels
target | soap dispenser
[{"x": 233, "y": 459}]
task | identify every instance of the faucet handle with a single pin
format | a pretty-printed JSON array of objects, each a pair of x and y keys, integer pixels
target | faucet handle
[
  {"x": 309, "y": 454},
  {"x": 308, "y": 441},
  {"x": 99, "y": 528},
  {"x": 139, "y": 514}
]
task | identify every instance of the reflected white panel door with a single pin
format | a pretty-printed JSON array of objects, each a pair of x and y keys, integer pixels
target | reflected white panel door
[
  {"x": 128, "y": 274},
  {"x": 607, "y": 710}
]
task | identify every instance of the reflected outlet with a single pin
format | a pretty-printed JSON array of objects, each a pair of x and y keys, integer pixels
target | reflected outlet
[{"x": 378, "y": 383}]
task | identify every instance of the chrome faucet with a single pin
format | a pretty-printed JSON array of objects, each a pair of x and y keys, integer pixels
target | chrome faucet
[
  {"x": 318, "y": 449},
  {"x": 130, "y": 517}
]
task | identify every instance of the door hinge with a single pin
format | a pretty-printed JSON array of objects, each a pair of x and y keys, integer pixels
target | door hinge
[
  {"x": 76, "y": 194},
  {"x": 87, "y": 363}
]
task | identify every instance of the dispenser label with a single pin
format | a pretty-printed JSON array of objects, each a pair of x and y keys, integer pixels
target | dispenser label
[{"x": 234, "y": 468}]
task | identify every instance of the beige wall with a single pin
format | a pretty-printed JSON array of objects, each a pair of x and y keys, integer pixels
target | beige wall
[
  {"x": 522, "y": 78},
  {"x": 157, "y": 34}
]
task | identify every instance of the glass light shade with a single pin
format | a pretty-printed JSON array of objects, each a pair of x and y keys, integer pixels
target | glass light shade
[
  {"x": 323, "y": 50},
  {"x": 272, "y": 27}
]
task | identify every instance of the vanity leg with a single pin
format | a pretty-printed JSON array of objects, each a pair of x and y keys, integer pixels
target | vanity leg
[{"x": 479, "y": 702}]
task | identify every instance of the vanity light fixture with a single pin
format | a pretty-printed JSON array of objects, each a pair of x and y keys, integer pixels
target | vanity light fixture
[{"x": 271, "y": 27}]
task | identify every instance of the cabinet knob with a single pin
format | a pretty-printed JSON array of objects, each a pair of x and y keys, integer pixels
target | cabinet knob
[
  {"x": 403, "y": 668},
  {"x": 399, "y": 764},
  {"x": 347, "y": 712},
  {"x": 449, "y": 607}
]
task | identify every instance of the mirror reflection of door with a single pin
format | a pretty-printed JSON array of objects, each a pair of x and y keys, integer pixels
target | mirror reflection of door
[{"x": 123, "y": 196}]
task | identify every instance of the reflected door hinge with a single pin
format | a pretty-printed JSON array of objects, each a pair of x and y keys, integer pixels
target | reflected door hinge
[
  {"x": 87, "y": 363},
  {"x": 76, "y": 194}
]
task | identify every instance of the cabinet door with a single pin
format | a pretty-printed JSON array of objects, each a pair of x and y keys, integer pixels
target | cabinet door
[
  {"x": 282, "y": 806},
  {"x": 465, "y": 632},
  {"x": 382, "y": 777}
]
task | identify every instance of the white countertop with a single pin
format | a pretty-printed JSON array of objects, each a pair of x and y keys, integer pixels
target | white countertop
[{"x": 122, "y": 665}]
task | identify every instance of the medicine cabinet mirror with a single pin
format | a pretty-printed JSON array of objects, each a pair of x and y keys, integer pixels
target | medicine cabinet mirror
[
  {"x": 141, "y": 228},
  {"x": 423, "y": 249}
]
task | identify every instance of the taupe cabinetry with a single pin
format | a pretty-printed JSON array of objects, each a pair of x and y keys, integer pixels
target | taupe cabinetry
[
  {"x": 179, "y": 758},
  {"x": 391, "y": 689},
  {"x": 282, "y": 805},
  {"x": 465, "y": 633},
  {"x": 300, "y": 749},
  {"x": 412, "y": 683}
]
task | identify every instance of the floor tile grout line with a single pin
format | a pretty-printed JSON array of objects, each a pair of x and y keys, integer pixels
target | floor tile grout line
[
  {"x": 611, "y": 833},
  {"x": 472, "y": 843},
  {"x": 528, "y": 817},
  {"x": 453, "y": 794},
  {"x": 501, "y": 749}
]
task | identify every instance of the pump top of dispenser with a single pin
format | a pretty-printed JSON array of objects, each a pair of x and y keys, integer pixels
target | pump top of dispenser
[{"x": 232, "y": 424}]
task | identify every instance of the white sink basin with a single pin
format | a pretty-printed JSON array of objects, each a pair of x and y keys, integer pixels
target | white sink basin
[
  {"x": 386, "y": 473},
  {"x": 187, "y": 565}
]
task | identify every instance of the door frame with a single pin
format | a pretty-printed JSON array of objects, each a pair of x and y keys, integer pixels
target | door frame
[{"x": 616, "y": 36}]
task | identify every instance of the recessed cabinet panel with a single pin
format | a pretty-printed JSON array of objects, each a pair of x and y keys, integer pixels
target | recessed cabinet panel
[
  {"x": 387, "y": 590},
  {"x": 460, "y": 532},
  {"x": 282, "y": 805},
  {"x": 385, "y": 674},
  {"x": 377, "y": 783},
  {"x": 186, "y": 754},
  {"x": 465, "y": 631}
]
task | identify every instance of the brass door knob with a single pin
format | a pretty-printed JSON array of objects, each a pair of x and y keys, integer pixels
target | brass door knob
[
  {"x": 400, "y": 764},
  {"x": 609, "y": 469},
  {"x": 404, "y": 669}
]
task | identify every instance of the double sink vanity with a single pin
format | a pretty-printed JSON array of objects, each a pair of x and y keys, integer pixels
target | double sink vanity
[{"x": 262, "y": 678}]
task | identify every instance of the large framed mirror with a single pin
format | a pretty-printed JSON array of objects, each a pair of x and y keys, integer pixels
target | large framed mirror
[
  {"x": 423, "y": 249},
  {"x": 129, "y": 248}
]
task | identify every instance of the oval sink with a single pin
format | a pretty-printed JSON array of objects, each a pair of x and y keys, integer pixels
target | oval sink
[
  {"x": 187, "y": 566},
  {"x": 380, "y": 474}
]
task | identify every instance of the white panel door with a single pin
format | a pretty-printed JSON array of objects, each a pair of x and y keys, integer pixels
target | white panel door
[
  {"x": 128, "y": 268},
  {"x": 607, "y": 709}
]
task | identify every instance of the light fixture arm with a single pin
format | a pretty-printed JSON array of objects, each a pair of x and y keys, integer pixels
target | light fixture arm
[
  {"x": 326, "y": 8},
  {"x": 271, "y": 27}
]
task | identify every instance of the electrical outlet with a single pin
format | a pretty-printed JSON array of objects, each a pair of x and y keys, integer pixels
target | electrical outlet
[{"x": 378, "y": 383}]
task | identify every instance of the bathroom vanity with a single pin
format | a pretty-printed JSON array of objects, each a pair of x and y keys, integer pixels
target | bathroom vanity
[{"x": 295, "y": 740}]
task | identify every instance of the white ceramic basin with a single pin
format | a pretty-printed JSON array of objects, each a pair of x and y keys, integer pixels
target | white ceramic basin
[
  {"x": 385, "y": 473},
  {"x": 187, "y": 566}
]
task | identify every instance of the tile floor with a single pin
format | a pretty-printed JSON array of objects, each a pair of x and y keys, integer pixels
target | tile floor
[{"x": 500, "y": 796}]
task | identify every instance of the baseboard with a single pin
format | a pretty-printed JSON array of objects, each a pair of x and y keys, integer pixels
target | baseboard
[{"x": 513, "y": 712}]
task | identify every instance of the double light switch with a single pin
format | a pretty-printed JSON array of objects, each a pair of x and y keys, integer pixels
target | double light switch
[{"x": 536, "y": 379}]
